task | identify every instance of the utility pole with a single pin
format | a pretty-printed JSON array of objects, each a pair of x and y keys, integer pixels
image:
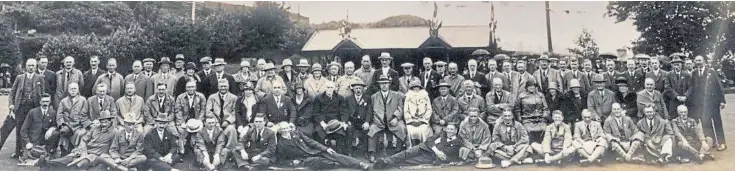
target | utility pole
[
  {"x": 193, "y": 11},
  {"x": 548, "y": 28}
]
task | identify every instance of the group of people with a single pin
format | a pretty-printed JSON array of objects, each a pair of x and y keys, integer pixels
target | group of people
[{"x": 306, "y": 115}]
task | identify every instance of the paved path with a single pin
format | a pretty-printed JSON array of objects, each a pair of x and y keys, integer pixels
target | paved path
[{"x": 725, "y": 160}]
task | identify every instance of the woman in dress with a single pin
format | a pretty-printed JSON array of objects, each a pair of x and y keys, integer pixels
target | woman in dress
[{"x": 417, "y": 112}]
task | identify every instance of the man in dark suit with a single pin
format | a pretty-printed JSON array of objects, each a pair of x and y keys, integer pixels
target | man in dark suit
[
  {"x": 634, "y": 77},
  {"x": 677, "y": 84},
  {"x": 573, "y": 74},
  {"x": 219, "y": 73},
  {"x": 39, "y": 129},
  {"x": 48, "y": 76},
  {"x": 160, "y": 146},
  {"x": 327, "y": 112},
  {"x": 101, "y": 102},
  {"x": 295, "y": 147},
  {"x": 257, "y": 142},
  {"x": 278, "y": 107},
  {"x": 492, "y": 73},
  {"x": 90, "y": 76},
  {"x": 476, "y": 76},
  {"x": 430, "y": 78},
  {"x": 359, "y": 110},
  {"x": 443, "y": 146},
  {"x": 126, "y": 148},
  {"x": 610, "y": 75},
  {"x": 204, "y": 75},
  {"x": 205, "y": 141},
  {"x": 658, "y": 75},
  {"x": 385, "y": 69},
  {"x": 706, "y": 100},
  {"x": 25, "y": 95}
]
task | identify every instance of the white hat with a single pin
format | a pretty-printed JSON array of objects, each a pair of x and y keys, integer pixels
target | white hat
[
  {"x": 244, "y": 64},
  {"x": 286, "y": 62},
  {"x": 261, "y": 61}
]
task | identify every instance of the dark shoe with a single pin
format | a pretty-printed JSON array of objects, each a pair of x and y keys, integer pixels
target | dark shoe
[
  {"x": 14, "y": 156},
  {"x": 371, "y": 158},
  {"x": 366, "y": 166}
]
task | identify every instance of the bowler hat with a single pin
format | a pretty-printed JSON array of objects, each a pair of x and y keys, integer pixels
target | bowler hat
[
  {"x": 105, "y": 115},
  {"x": 415, "y": 83}
]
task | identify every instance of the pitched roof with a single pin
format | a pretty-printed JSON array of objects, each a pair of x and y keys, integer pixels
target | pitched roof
[{"x": 400, "y": 37}]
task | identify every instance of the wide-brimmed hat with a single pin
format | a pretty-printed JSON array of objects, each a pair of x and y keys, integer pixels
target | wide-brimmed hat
[
  {"x": 383, "y": 79},
  {"x": 333, "y": 126},
  {"x": 149, "y": 60},
  {"x": 621, "y": 81},
  {"x": 286, "y": 62},
  {"x": 191, "y": 65},
  {"x": 298, "y": 86},
  {"x": 219, "y": 61},
  {"x": 180, "y": 57},
  {"x": 164, "y": 60},
  {"x": 162, "y": 118},
  {"x": 574, "y": 83},
  {"x": 543, "y": 57},
  {"x": 415, "y": 83},
  {"x": 385, "y": 55},
  {"x": 105, "y": 114},
  {"x": 407, "y": 64},
  {"x": 316, "y": 67},
  {"x": 334, "y": 63},
  {"x": 194, "y": 125},
  {"x": 358, "y": 83},
  {"x": 598, "y": 78},
  {"x": 531, "y": 82},
  {"x": 268, "y": 66},
  {"x": 205, "y": 59},
  {"x": 485, "y": 163},
  {"x": 303, "y": 63}
]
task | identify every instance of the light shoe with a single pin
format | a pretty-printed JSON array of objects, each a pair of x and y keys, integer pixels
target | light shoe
[
  {"x": 527, "y": 161},
  {"x": 505, "y": 163}
]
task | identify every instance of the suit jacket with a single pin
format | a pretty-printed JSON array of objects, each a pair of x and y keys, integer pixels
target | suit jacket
[
  {"x": 392, "y": 75},
  {"x": 305, "y": 115},
  {"x": 285, "y": 113},
  {"x": 153, "y": 108},
  {"x": 495, "y": 108},
  {"x": 430, "y": 82},
  {"x": 49, "y": 78},
  {"x": 555, "y": 102},
  {"x": 552, "y": 77},
  {"x": 479, "y": 78},
  {"x": 265, "y": 144},
  {"x": 214, "y": 87},
  {"x": 465, "y": 103},
  {"x": 659, "y": 79},
  {"x": 87, "y": 89},
  {"x": 303, "y": 142},
  {"x": 73, "y": 112},
  {"x": 385, "y": 110},
  {"x": 628, "y": 103},
  {"x": 497, "y": 74},
  {"x": 133, "y": 109},
  {"x": 116, "y": 87},
  {"x": 327, "y": 111},
  {"x": 635, "y": 79},
  {"x": 404, "y": 81},
  {"x": 644, "y": 98},
  {"x": 242, "y": 111},
  {"x": 573, "y": 106},
  {"x": 626, "y": 132},
  {"x": 677, "y": 85},
  {"x": 659, "y": 131},
  {"x": 556, "y": 137},
  {"x": 358, "y": 111},
  {"x": 181, "y": 84},
  {"x": 17, "y": 94},
  {"x": 122, "y": 148},
  {"x": 502, "y": 137},
  {"x": 207, "y": 143},
  {"x": 182, "y": 108},
  {"x": 154, "y": 147},
  {"x": 706, "y": 94},
  {"x": 518, "y": 83},
  {"x": 507, "y": 82},
  {"x": 75, "y": 76},
  {"x": 36, "y": 124},
  {"x": 170, "y": 80},
  {"x": 143, "y": 85},
  {"x": 205, "y": 82},
  {"x": 600, "y": 105},
  {"x": 447, "y": 110},
  {"x": 687, "y": 129},
  {"x": 265, "y": 85},
  {"x": 582, "y": 134},
  {"x": 289, "y": 82},
  {"x": 314, "y": 87},
  {"x": 108, "y": 104},
  {"x": 227, "y": 113},
  {"x": 583, "y": 81}
]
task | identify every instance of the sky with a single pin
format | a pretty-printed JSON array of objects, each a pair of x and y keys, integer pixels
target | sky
[{"x": 521, "y": 24}]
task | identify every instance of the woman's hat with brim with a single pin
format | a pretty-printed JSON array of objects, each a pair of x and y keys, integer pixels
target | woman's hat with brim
[
  {"x": 316, "y": 67},
  {"x": 415, "y": 83},
  {"x": 298, "y": 86},
  {"x": 194, "y": 125},
  {"x": 191, "y": 65},
  {"x": 530, "y": 83},
  {"x": 245, "y": 64},
  {"x": 621, "y": 81},
  {"x": 574, "y": 83}
]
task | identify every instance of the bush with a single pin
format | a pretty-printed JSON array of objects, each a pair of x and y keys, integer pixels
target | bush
[{"x": 81, "y": 47}]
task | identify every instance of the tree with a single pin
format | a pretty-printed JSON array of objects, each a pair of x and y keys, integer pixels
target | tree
[
  {"x": 81, "y": 47},
  {"x": 132, "y": 43},
  {"x": 267, "y": 24},
  {"x": 227, "y": 34},
  {"x": 672, "y": 26},
  {"x": 84, "y": 17},
  {"x": 587, "y": 47},
  {"x": 178, "y": 35}
]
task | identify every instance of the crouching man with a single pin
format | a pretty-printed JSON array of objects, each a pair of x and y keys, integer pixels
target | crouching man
[
  {"x": 623, "y": 135},
  {"x": 691, "y": 141},
  {"x": 39, "y": 132},
  {"x": 296, "y": 147},
  {"x": 126, "y": 150},
  {"x": 160, "y": 146},
  {"x": 510, "y": 141},
  {"x": 438, "y": 149},
  {"x": 475, "y": 136},
  {"x": 92, "y": 145},
  {"x": 658, "y": 135},
  {"x": 258, "y": 142},
  {"x": 589, "y": 139},
  {"x": 557, "y": 143}
]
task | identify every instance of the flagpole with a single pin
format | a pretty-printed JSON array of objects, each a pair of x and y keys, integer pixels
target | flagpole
[
  {"x": 548, "y": 27},
  {"x": 193, "y": 11}
]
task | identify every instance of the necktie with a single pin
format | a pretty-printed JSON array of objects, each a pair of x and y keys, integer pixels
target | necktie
[
  {"x": 101, "y": 101},
  {"x": 650, "y": 124},
  {"x": 497, "y": 97},
  {"x": 221, "y": 106},
  {"x": 588, "y": 129},
  {"x": 68, "y": 76},
  {"x": 191, "y": 101},
  {"x": 135, "y": 77},
  {"x": 94, "y": 72},
  {"x": 472, "y": 75},
  {"x": 161, "y": 106},
  {"x": 257, "y": 136},
  {"x": 109, "y": 76},
  {"x": 602, "y": 93},
  {"x": 127, "y": 137},
  {"x": 278, "y": 102},
  {"x": 44, "y": 112}
]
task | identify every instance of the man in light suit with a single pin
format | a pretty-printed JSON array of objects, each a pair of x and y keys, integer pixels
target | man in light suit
[
  {"x": 222, "y": 105},
  {"x": 189, "y": 105},
  {"x": 388, "y": 117},
  {"x": 73, "y": 116},
  {"x": 545, "y": 75},
  {"x": 131, "y": 107},
  {"x": 690, "y": 140},
  {"x": 126, "y": 149},
  {"x": 658, "y": 136},
  {"x": 204, "y": 142},
  {"x": 407, "y": 77},
  {"x": 265, "y": 83},
  {"x": 498, "y": 100},
  {"x": 90, "y": 76},
  {"x": 101, "y": 102},
  {"x": 518, "y": 82},
  {"x": 650, "y": 97},
  {"x": 142, "y": 83},
  {"x": 589, "y": 138},
  {"x": 623, "y": 135},
  {"x": 657, "y": 75},
  {"x": 600, "y": 99},
  {"x": 509, "y": 74},
  {"x": 492, "y": 73},
  {"x": 65, "y": 77},
  {"x": 25, "y": 95},
  {"x": 572, "y": 74},
  {"x": 676, "y": 86},
  {"x": 112, "y": 79},
  {"x": 165, "y": 76},
  {"x": 162, "y": 104}
]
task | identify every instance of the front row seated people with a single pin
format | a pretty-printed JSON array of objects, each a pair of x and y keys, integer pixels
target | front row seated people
[
  {"x": 623, "y": 135},
  {"x": 691, "y": 142},
  {"x": 441, "y": 148},
  {"x": 510, "y": 141},
  {"x": 94, "y": 144},
  {"x": 589, "y": 139},
  {"x": 557, "y": 144}
]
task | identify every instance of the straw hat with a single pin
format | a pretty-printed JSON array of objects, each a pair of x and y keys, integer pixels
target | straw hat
[{"x": 194, "y": 125}]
